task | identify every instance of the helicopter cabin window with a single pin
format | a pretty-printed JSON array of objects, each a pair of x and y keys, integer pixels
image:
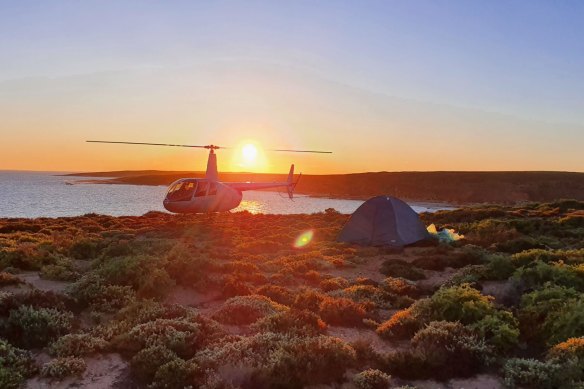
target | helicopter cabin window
[
  {"x": 201, "y": 189},
  {"x": 183, "y": 191},
  {"x": 212, "y": 189}
]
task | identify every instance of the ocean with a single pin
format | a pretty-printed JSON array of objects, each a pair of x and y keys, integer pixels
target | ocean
[{"x": 46, "y": 194}]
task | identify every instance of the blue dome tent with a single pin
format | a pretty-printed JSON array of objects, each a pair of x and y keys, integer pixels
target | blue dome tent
[{"x": 384, "y": 221}]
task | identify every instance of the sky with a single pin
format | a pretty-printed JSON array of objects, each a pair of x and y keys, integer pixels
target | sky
[{"x": 385, "y": 85}]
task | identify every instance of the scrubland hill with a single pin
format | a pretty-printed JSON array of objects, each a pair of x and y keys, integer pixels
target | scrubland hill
[
  {"x": 227, "y": 301},
  {"x": 452, "y": 187}
]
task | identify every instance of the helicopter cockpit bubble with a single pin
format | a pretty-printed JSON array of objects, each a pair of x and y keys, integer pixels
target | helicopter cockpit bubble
[{"x": 182, "y": 191}]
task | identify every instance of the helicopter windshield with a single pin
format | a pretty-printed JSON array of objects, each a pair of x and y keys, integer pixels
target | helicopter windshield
[{"x": 182, "y": 191}]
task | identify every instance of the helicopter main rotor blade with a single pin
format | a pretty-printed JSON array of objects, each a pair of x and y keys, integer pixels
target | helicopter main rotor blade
[
  {"x": 157, "y": 144},
  {"x": 214, "y": 147},
  {"x": 303, "y": 151}
]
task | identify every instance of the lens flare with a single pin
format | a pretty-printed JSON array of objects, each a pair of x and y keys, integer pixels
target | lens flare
[{"x": 304, "y": 239}]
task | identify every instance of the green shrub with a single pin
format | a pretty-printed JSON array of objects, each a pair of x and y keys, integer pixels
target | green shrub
[
  {"x": 499, "y": 267},
  {"x": 34, "y": 298},
  {"x": 180, "y": 336},
  {"x": 9, "y": 279},
  {"x": 530, "y": 373},
  {"x": 372, "y": 379},
  {"x": 246, "y": 309},
  {"x": 309, "y": 299},
  {"x": 92, "y": 290},
  {"x": 84, "y": 249},
  {"x": 60, "y": 270},
  {"x": 331, "y": 284},
  {"x": 400, "y": 287},
  {"x": 399, "y": 268},
  {"x": 341, "y": 311},
  {"x": 368, "y": 294},
  {"x": 538, "y": 273},
  {"x": 35, "y": 327},
  {"x": 441, "y": 350},
  {"x": 552, "y": 314},
  {"x": 175, "y": 374},
  {"x": 402, "y": 325},
  {"x": 77, "y": 345},
  {"x": 15, "y": 365},
  {"x": 292, "y": 321},
  {"x": 145, "y": 363},
  {"x": 569, "y": 355},
  {"x": 63, "y": 367},
  {"x": 278, "y": 360},
  {"x": 565, "y": 322},
  {"x": 277, "y": 293},
  {"x": 499, "y": 329}
]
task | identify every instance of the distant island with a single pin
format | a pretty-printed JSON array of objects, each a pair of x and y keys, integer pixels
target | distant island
[{"x": 450, "y": 187}]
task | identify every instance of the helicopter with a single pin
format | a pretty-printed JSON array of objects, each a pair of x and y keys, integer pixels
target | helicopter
[{"x": 207, "y": 195}]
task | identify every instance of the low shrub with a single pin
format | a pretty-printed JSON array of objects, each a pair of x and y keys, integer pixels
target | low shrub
[
  {"x": 35, "y": 327},
  {"x": 538, "y": 273},
  {"x": 499, "y": 329},
  {"x": 368, "y": 294},
  {"x": 499, "y": 267},
  {"x": 176, "y": 374},
  {"x": 441, "y": 350},
  {"x": 552, "y": 314},
  {"x": 372, "y": 379},
  {"x": 402, "y": 325},
  {"x": 401, "y": 287},
  {"x": 292, "y": 321},
  {"x": 60, "y": 368},
  {"x": 400, "y": 268},
  {"x": 77, "y": 345},
  {"x": 61, "y": 270},
  {"x": 531, "y": 373},
  {"x": 282, "y": 360},
  {"x": 243, "y": 310},
  {"x": 331, "y": 284},
  {"x": 34, "y": 298},
  {"x": 15, "y": 365},
  {"x": 342, "y": 311},
  {"x": 180, "y": 336},
  {"x": 570, "y": 356},
  {"x": 309, "y": 299},
  {"x": 84, "y": 249},
  {"x": 277, "y": 293},
  {"x": 234, "y": 287},
  {"x": 145, "y": 363},
  {"x": 7, "y": 279}
]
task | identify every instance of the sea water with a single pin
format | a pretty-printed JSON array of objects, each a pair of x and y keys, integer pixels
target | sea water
[{"x": 46, "y": 194}]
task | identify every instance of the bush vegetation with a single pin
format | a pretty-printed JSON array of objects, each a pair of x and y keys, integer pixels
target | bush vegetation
[{"x": 226, "y": 300}]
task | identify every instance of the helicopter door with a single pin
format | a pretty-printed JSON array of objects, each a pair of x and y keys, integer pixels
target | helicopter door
[
  {"x": 202, "y": 189},
  {"x": 212, "y": 189}
]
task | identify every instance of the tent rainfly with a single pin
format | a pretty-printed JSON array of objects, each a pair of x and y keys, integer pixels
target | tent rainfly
[{"x": 384, "y": 221}]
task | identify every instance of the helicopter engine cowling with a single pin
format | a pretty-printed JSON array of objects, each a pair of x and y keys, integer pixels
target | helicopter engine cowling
[{"x": 215, "y": 197}]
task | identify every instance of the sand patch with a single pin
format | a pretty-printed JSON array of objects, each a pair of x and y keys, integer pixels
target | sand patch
[
  {"x": 102, "y": 372},
  {"x": 481, "y": 381},
  {"x": 191, "y": 297},
  {"x": 351, "y": 335},
  {"x": 33, "y": 278},
  {"x": 369, "y": 268}
]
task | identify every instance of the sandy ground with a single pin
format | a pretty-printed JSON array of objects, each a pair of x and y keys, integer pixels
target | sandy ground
[
  {"x": 103, "y": 371},
  {"x": 351, "y": 335},
  {"x": 481, "y": 381},
  {"x": 33, "y": 278}
]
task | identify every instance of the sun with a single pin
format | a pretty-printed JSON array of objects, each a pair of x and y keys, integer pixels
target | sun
[{"x": 249, "y": 152}]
